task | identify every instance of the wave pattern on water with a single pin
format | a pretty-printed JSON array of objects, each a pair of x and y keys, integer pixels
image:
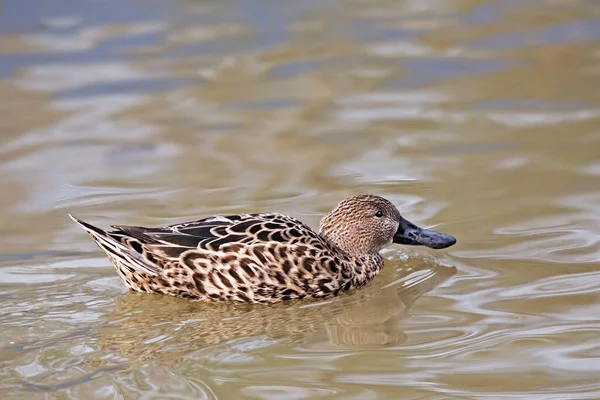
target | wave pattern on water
[{"x": 477, "y": 116}]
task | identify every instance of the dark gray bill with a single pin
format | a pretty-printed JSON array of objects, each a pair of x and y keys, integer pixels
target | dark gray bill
[{"x": 409, "y": 233}]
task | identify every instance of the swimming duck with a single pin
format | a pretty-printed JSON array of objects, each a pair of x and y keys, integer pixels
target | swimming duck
[{"x": 262, "y": 258}]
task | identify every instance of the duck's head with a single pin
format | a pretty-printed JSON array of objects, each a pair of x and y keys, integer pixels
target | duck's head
[{"x": 365, "y": 224}]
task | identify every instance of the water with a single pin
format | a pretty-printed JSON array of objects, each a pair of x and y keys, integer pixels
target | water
[{"x": 479, "y": 118}]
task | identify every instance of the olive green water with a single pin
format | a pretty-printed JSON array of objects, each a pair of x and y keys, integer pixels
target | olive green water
[{"x": 478, "y": 118}]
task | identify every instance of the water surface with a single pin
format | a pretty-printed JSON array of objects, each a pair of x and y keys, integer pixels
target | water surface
[{"x": 478, "y": 118}]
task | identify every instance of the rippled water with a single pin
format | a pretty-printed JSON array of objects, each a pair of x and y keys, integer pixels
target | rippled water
[{"x": 481, "y": 118}]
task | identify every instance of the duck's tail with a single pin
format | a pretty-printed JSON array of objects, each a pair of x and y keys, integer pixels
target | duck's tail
[{"x": 117, "y": 249}]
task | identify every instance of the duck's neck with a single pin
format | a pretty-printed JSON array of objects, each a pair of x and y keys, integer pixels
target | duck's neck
[
  {"x": 360, "y": 264},
  {"x": 358, "y": 247},
  {"x": 360, "y": 269},
  {"x": 366, "y": 267}
]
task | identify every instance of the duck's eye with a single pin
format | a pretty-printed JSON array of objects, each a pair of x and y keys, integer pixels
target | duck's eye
[{"x": 379, "y": 214}]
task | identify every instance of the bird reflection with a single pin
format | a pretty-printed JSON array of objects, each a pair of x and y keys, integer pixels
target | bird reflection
[{"x": 147, "y": 327}]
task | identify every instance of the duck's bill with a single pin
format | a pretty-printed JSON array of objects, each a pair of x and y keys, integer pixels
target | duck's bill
[{"x": 410, "y": 234}]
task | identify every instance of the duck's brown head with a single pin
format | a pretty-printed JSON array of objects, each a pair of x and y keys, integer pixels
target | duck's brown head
[{"x": 365, "y": 224}]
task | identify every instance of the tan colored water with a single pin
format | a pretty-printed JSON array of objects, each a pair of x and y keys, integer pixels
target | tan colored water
[{"x": 480, "y": 118}]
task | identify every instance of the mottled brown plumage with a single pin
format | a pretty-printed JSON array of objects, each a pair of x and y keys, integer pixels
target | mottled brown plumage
[{"x": 261, "y": 258}]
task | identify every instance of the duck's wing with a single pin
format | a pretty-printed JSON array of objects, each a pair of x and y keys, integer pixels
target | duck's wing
[
  {"x": 215, "y": 238},
  {"x": 122, "y": 247},
  {"x": 217, "y": 233}
]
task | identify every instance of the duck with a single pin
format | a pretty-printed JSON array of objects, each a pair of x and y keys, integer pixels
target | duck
[{"x": 262, "y": 257}]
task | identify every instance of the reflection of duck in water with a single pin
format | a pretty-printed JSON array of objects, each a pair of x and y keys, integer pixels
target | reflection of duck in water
[
  {"x": 262, "y": 258},
  {"x": 150, "y": 328}
]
